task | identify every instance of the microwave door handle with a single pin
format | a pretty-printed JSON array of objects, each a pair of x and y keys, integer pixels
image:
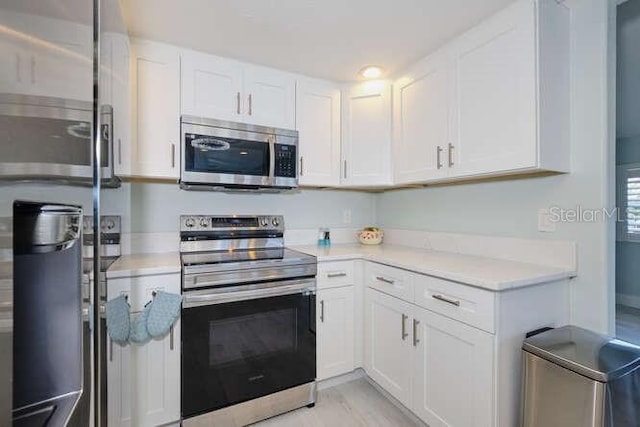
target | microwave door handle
[{"x": 272, "y": 160}]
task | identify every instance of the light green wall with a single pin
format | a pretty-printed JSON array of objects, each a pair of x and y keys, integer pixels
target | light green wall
[
  {"x": 511, "y": 208},
  {"x": 157, "y": 207}
]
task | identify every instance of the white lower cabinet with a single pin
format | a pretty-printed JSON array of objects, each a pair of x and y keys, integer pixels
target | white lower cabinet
[
  {"x": 440, "y": 368},
  {"x": 143, "y": 380},
  {"x": 388, "y": 351},
  {"x": 156, "y": 380},
  {"x": 453, "y": 372},
  {"x": 334, "y": 332}
]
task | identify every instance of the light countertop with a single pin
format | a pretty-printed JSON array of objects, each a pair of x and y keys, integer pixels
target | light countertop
[
  {"x": 145, "y": 265},
  {"x": 488, "y": 273}
]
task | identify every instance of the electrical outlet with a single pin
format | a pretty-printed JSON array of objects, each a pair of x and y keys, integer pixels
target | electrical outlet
[
  {"x": 346, "y": 216},
  {"x": 545, "y": 221}
]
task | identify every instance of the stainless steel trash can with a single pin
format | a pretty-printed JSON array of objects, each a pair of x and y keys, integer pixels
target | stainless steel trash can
[{"x": 573, "y": 377}]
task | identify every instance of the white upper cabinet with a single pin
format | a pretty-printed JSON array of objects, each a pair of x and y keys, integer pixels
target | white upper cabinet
[
  {"x": 318, "y": 125},
  {"x": 57, "y": 61},
  {"x": 494, "y": 101},
  {"x": 270, "y": 97},
  {"x": 121, "y": 102},
  {"x": 421, "y": 121},
  {"x": 495, "y": 86},
  {"x": 366, "y": 134},
  {"x": 211, "y": 86},
  {"x": 225, "y": 89},
  {"x": 155, "y": 88}
]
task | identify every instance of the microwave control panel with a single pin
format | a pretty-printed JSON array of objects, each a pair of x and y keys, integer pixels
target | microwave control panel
[{"x": 286, "y": 161}]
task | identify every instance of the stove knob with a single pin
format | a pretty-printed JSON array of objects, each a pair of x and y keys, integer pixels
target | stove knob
[
  {"x": 110, "y": 224},
  {"x": 264, "y": 222},
  {"x": 275, "y": 222},
  {"x": 204, "y": 223},
  {"x": 189, "y": 222}
]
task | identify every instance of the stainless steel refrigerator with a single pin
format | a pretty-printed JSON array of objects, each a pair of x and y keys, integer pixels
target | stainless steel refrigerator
[{"x": 56, "y": 159}]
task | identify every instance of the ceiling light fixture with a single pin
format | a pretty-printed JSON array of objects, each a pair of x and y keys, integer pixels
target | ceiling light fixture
[{"x": 371, "y": 72}]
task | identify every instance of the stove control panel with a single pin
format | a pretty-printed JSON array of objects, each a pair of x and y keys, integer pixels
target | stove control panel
[
  {"x": 231, "y": 222},
  {"x": 109, "y": 224}
]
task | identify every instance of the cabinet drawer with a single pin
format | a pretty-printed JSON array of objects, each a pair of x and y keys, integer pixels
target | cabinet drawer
[
  {"x": 465, "y": 303},
  {"x": 140, "y": 289},
  {"x": 390, "y": 280},
  {"x": 335, "y": 273}
]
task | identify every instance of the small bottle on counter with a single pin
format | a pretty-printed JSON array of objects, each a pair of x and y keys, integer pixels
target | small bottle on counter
[{"x": 324, "y": 236}]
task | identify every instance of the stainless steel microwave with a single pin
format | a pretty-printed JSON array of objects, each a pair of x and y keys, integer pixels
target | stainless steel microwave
[
  {"x": 224, "y": 155},
  {"x": 49, "y": 139}
]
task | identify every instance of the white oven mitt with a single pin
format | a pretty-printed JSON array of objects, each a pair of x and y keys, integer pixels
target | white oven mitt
[
  {"x": 163, "y": 313},
  {"x": 118, "y": 319},
  {"x": 139, "y": 333}
]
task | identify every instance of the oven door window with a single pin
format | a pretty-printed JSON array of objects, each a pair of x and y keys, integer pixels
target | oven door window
[
  {"x": 226, "y": 155},
  {"x": 239, "y": 351}
]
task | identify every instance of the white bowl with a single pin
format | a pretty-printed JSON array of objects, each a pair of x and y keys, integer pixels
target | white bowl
[{"x": 368, "y": 237}]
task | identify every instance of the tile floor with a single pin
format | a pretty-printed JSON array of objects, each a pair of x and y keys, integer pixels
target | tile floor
[{"x": 353, "y": 404}]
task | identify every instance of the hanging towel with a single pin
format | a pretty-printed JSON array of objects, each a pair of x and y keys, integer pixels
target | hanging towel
[
  {"x": 139, "y": 333},
  {"x": 118, "y": 320},
  {"x": 163, "y": 313}
]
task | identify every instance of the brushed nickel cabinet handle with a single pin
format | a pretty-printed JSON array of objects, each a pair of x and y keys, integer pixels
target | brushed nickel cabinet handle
[
  {"x": 119, "y": 151},
  {"x": 18, "y": 76},
  {"x": 173, "y": 155},
  {"x": 301, "y": 166},
  {"x": 238, "y": 102},
  {"x": 110, "y": 350},
  {"x": 336, "y": 274},
  {"x": 250, "y": 104},
  {"x": 416, "y": 340},
  {"x": 322, "y": 311},
  {"x": 445, "y": 299},
  {"x": 438, "y": 153},
  {"x": 404, "y": 326},
  {"x": 33, "y": 70},
  {"x": 450, "y": 154},
  {"x": 345, "y": 169},
  {"x": 171, "y": 338},
  {"x": 385, "y": 280}
]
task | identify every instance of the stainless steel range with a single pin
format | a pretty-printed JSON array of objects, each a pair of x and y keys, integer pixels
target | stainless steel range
[
  {"x": 109, "y": 253},
  {"x": 248, "y": 321}
]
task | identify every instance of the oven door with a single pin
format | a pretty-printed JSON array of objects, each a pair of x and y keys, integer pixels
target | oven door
[
  {"x": 219, "y": 156},
  {"x": 245, "y": 342}
]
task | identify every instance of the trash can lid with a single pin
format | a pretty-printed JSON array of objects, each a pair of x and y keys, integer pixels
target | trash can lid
[{"x": 599, "y": 357}]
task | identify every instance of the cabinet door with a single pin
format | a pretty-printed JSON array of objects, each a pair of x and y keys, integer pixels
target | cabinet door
[
  {"x": 421, "y": 122},
  {"x": 211, "y": 86},
  {"x": 157, "y": 380},
  {"x": 388, "y": 351},
  {"x": 121, "y": 104},
  {"x": 453, "y": 372},
  {"x": 495, "y": 84},
  {"x": 156, "y": 110},
  {"x": 318, "y": 124},
  {"x": 269, "y": 97},
  {"x": 119, "y": 397},
  {"x": 366, "y": 138},
  {"x": 335, "y": 332}
]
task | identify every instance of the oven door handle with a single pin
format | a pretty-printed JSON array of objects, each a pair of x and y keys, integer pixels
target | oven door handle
[{"x": 225, "y": 296}]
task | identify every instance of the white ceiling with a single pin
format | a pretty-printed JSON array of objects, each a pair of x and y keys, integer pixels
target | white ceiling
[{"x": 325, "y": 38}]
